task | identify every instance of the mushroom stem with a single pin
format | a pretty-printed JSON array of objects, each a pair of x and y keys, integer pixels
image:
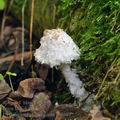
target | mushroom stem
[{"x": 75, "y": 85}]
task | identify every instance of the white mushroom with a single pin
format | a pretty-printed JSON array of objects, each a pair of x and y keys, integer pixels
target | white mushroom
[{"x": 58, "y": 48}]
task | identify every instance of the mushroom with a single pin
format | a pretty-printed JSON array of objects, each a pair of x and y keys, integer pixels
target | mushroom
[{"x": 58, "y": 49}]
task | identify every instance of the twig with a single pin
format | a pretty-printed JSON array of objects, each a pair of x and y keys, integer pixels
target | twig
[
  {"x": 10, "y": 5},
  {"x": 3, "y": 25},
  {"x": 118, "y": 75},
  {"x": 14, "y": 57},
  {"x": 97, "y": 95},
  {"x": 31, "y": 29},
  {"x": 23, "y": 9},
  {"x": 17, "y": 58}
]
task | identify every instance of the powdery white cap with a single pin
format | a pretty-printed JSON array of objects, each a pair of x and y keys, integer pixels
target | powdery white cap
[{"x": 57, "y": 47}]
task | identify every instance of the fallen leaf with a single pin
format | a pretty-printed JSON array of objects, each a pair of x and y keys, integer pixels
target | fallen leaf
[
  {"x": 58, "y": 116},
  {"x": 7, "y": 118},
  {"x": 70, "y": 112},
  {"x": 4, "y": 89},
  {"x": 96, "y": 114},
  {"x": 39, "y": 107},
  {"x": 28, "y": 87}
]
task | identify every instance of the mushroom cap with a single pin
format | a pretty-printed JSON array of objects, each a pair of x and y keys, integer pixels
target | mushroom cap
[{"x": 57, "y": 47}]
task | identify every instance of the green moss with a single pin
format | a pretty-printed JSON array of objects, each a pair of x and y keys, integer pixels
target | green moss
[{"x": 95, "y": 27}]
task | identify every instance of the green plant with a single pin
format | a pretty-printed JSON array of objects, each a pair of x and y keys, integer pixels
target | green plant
[
  {"x": 95, "y": 27},
  {"x": 2, "y": 4},
  {"x": 1, "y": 77},
  {"x": 11, "y": 74}
]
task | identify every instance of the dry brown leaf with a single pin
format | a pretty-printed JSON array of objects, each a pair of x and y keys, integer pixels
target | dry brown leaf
[
  {"x": 11, "y": 39},
  {"x": 4, "y": 89},
  {"x": 18, "y": 117},
  {"x": 16, "y": 105},
  {"x": 7, "y": 118},
  {"x": 4, "y": 35},
  {"x": 70, "y": 112},
  {"x": 58, "y": 116},
  {"x": 28, "y": 87},
  {"x": 39, "y": 107},
  {"x": 95, "y": 114}
]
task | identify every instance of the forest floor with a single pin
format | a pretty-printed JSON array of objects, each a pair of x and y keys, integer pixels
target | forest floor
[{"x": 30, "y": 90}]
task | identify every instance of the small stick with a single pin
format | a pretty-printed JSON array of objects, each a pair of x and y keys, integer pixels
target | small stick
[
  {"x": 17, "y": 58},
  {"x": 31, "y": 29},
  {"x": 23, "y": 27}
]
